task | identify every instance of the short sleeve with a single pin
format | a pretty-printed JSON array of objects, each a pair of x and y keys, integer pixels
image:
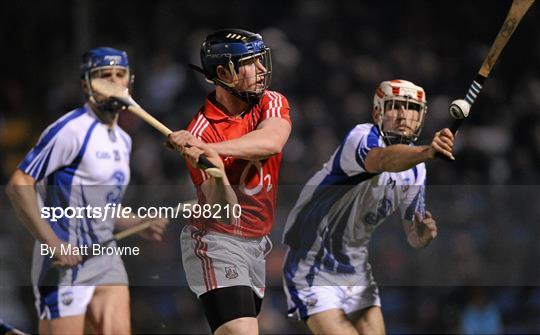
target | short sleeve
[
  {"x": 350, "y": 155},
  {"x": 369, "y": 139},
  {"x": 56, "y": 147},
  {"x": 274, "y": 104},
  {"x": 199, "y": 127}
]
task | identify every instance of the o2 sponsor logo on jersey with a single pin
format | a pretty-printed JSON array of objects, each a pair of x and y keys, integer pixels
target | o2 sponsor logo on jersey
[
  {"x": 119, "y": 179},
  {"x": 253, "y": 179}
]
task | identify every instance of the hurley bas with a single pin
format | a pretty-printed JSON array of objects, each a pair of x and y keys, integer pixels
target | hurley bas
[{"x": 85, "y": 250}]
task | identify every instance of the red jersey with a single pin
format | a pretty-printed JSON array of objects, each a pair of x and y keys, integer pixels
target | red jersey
[{"x": 254, "y": 182}]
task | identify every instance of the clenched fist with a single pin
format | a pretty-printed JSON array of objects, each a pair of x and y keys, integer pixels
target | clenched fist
[{"x": 443, "y": 143}]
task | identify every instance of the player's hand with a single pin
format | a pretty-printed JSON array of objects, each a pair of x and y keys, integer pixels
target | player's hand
[
  {"x": 425, "y": 228},
  {"x": 62, "y": 258},
  {"x": 156, "y": 230},
  {"x": 443, "y": 143},
  {"x": 182, "y": 139},
  {"x": 193, "y": 153},
  {"x": 192, "y": 148}
]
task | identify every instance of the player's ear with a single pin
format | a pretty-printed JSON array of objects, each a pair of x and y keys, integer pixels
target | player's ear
[
  {"x": 376, "y": 114},
  {"x": 224, "y": 75},
  {"x": 84, "y": 86}
]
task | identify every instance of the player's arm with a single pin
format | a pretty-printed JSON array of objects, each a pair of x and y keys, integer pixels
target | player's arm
[
  {"x": 22, "y": 194},
  {"x": 267, "y": 140},
  {"x": 216, "y": 190},
  {"x": 421, "y": 230},
  {"x": 219, "y": 191},
  {"x": 401, "y": 157},
  {"x": 154, "y": 232}
]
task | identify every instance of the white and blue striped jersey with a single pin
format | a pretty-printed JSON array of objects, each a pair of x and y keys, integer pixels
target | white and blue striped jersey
[
  {"x": 78, "y": 161},
  {"x": 331, "y": 224}
]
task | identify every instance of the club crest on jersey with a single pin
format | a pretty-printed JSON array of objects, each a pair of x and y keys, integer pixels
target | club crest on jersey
[
  {"x": 67, "y": 298},
  {"x": 231, "y": 272}
]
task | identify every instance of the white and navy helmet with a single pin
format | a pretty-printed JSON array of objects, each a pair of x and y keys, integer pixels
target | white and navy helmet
[{"x": 386, "y": 96}]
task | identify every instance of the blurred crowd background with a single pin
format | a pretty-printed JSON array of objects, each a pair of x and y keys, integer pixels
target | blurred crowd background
[{"x": 481, "y": 275}]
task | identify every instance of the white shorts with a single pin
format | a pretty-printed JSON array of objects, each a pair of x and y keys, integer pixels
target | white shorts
[
  {"x": 54, "y": 302},
  {"x": 327, "y": 290},
  {"x": 213, "y": 260},
  {"x": 316, "y": 299},
  {"x": 61, "y": 292}
]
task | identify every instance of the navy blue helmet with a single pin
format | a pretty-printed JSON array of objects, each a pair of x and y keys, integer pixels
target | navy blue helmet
[
  {"x": 103, "y": 57},
  {"x": 230, "y": 48}
]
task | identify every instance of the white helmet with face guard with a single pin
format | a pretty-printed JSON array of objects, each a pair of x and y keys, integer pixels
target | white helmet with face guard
[{"x": 392, "y": 103}]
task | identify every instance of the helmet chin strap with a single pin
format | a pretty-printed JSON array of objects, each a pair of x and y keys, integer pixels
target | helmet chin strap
[
  {"x": 106, "y": 110},
  {"x": 391, "y": 138},
  {"x": 251, "y": 98}
]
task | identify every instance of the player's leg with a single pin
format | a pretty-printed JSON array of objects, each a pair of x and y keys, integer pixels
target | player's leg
[
  {"x": 239, "y": 326},
  {"x": 332, "y": 321},
  {"x": 108, "y": 311},
  {"x": 61, "y": 309},
  {"x": 218, "y": 271},
  {"x": 315, "y": 297},
  {"x": 243, "y": 319},
  {"x": 320, "y": 306},
  {"x": 369, "y": 321},
  {"x": 232, "y": 310},
  {"x": 68, "y": 325},
  {"x": 362, "y": 305}
]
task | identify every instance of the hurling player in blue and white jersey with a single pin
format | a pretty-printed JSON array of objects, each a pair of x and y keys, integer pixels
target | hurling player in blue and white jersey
[
  {"x": 80, "y": 160},
  {"x": 374, "y": 172}
]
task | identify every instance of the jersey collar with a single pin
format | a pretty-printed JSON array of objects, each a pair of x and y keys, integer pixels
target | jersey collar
[{"x": 212, "y": 112}]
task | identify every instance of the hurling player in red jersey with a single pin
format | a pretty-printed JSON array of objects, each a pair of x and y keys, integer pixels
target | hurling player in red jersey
[{"x": 242, "y": 129}]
